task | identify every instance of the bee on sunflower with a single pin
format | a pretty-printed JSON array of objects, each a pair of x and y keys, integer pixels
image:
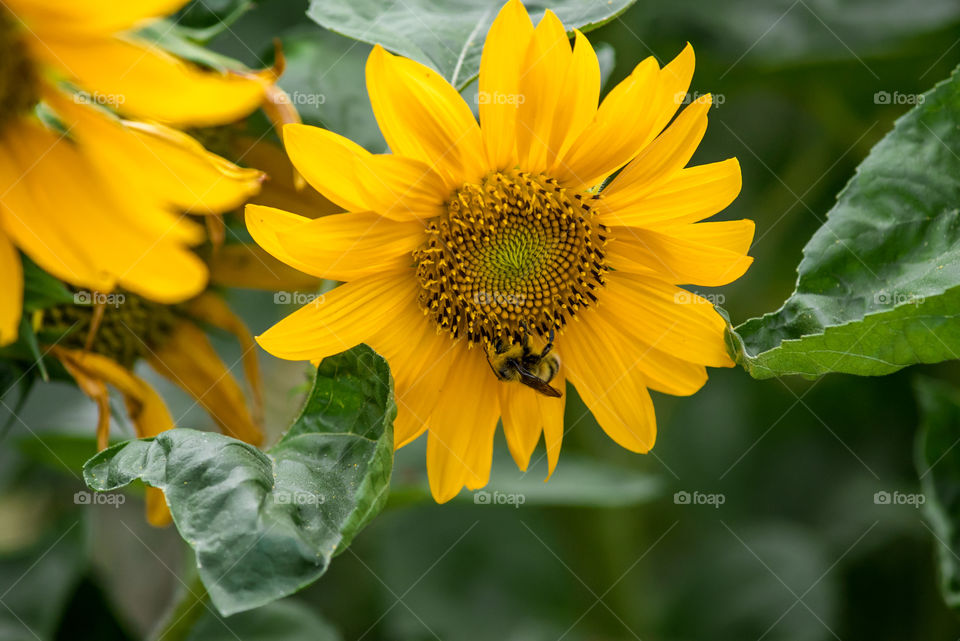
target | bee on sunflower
[
  {"x": 487, "y": 265},
  {"x": 94, "y": 174}
]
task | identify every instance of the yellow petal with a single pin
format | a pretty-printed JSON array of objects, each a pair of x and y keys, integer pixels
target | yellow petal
[
  {"x": 602, "y": 368},
  {"x": 630, "y": 116},
  {"x": 670, "y": 152},
  {"x": 462, "y": 425},
  {"x": 188, "y": 359},
  {"x": 499, "y": 88},
  {"x": 666, "y": 317},
  {"x": 326, "y": 161},
  {"x": 339, "y": 247},
  {"x": 143, "y": 81},
  {"x": 212, "y": 309},
  {"x": 11, "y": 296},
  {"x": 341, "y": 319},
  {"x": 285, "y": 187},
  {"x": 91, "y": 16},
  {"x": 157, "y": 161},
  {"x": 527, "y": 414},
  {"x": 424, "y": 118},
  {"x": 158, "y": 514},
  {"x": 400, "y": 188},
  {"x": 707, "y": 254},
  {"x": 686, "y": 196}
]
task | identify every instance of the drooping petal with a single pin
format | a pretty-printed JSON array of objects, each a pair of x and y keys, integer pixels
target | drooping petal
[
  {"x": 630, "y": 116},
  {"x": 707, "y": 254},
  {"x": 188, "y": 360},
  {"x": 499, "y": 88},
  {"x": 666, "y": 317},
  {"x": 460, "y": 439},
  {"x": 602, "y": 367},
  {"x": 341, "y": 319},
  {"x": 339, "y": 247},
  {"x": 686, "y": 196},
  {"x": 143, "y": 81},
  {"x": 527, "y": 414},
  {"x": 11, "y": 295},
  {"x": 424, "y": 118},
  {"x": 92, "y": 17}
]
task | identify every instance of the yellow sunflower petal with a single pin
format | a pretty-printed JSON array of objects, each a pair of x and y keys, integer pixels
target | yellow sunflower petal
[
  {"x": 499, "y": 82},
  {"x": 670, "y": 152},
  {"x": 156, "y": 160},
  {"x": 707, "y": 254},
  {"x": 687, "y": 196},
  {"x": 338, "y": 247},
  {"x": 460, "y": 439},
  {"x": 400, "y": 188},
  {"x": 326, "y": 161},
  {"x": 527, "y": 414},
  {"x": 424, "y": 118},
  {"x": 630, "y": 116},
  {"x": 284, "y": 188},
  {"x": 342, "y": 318},
  {"x": 143, "y": 81},
  {"x": 89, "y": 17},
  {"x": 602, "y": 366},
  {"x": 667, "y": 317},
  {"x": 188, "y": 359},
  {"x": 158, "y": 514},
  {"x": 11, "y": 298}
]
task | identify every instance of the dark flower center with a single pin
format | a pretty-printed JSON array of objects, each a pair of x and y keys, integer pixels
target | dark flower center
[
  {"x": 514, "y": 255},
  {"x": 18, "y": 75}
]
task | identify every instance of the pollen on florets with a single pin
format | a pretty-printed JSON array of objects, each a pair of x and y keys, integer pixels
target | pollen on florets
[
  {"x": 513, "y": 255},
  {"x": 18, "y": 76}
]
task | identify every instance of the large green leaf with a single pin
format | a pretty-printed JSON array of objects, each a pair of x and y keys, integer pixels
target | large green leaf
[
  {"x": 938, "y": 463},
  {"x": 281, "y": 621},
  {"x": 879, "y": 283},
  {"x": 447, "y": 35},
  {"x": 265, "y": 524}
]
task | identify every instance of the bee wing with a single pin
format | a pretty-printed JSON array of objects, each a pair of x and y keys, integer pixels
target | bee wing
[{"x": 533, "y": 382}]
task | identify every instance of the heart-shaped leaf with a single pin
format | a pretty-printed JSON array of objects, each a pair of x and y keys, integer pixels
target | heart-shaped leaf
[
  {"x": 879, "y": 284},
  {"x": 447, "y": 36},
  {"x": 266, "y": 524}
]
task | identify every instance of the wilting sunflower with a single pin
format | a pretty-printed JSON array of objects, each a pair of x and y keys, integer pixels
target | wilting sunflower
[
  {"x": 486, "y": 265},
  {"x": 93, "y": 198}
]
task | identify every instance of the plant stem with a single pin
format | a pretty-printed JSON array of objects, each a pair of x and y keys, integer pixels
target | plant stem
[{"x": 184, "y": 614}]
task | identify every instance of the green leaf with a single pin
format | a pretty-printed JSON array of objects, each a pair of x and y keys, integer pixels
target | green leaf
[
  {"x": 938, "y": 463},
  {"x": 879, "y": 283},
  {"x": 447, "y": 36},
  {"x": 281, "y": 621},
  {"x": 266, "y": 524},
  {"x": 186, "y": 43},
  {"x": 41, "y": 290}
]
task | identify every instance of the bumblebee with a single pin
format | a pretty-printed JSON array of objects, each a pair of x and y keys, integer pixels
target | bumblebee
[{"x": 524, "y": 363}]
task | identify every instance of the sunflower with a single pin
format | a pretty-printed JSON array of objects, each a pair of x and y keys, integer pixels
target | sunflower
[
  {"x": 480, "y": 257},
  {"x": 89, "y": 189}
]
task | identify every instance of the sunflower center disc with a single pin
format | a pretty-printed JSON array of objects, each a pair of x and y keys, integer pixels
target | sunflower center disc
[
  {"x": 18, "y": 77},
  {"x": 515, "y": 254}
]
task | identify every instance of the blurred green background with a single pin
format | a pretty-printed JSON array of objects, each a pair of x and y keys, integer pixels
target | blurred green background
[{"x": 799, "y": 550}]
